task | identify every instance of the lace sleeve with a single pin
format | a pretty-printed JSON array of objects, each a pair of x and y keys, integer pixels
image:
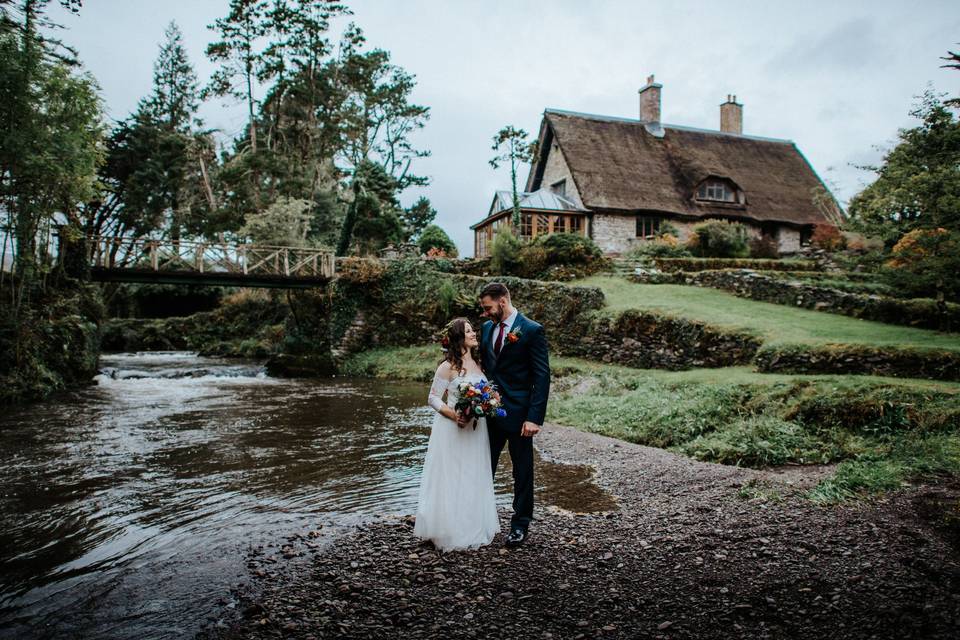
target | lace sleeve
[{"x": 439, "y": 386}]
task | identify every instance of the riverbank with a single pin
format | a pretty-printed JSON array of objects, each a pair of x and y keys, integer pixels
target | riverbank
[
  {"x": 876, "y": 433},
  {"x": 695, "y": 550},
  {"x": 53, "y": 344}
]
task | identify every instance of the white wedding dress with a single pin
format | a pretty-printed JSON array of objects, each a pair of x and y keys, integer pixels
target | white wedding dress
[{"x": 457, "y": 508}]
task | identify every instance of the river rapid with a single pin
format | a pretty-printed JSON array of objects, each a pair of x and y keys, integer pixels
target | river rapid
[{"x": 127, "y": 509}]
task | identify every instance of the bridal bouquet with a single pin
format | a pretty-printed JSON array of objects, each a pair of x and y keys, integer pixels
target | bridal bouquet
[{"x": 479, "y": 400}]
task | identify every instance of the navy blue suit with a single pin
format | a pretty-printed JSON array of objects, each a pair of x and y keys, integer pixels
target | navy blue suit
[{"x": 522, "y": 376}]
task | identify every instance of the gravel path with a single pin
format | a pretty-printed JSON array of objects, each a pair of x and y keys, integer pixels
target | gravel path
[{"x": 695, "y": 551}]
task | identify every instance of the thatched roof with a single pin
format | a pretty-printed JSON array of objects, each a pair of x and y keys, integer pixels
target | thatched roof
[{"x": 618, "y": 166}]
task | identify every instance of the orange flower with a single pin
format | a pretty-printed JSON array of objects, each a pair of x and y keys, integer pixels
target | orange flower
[{"x": 512, "y": 337}]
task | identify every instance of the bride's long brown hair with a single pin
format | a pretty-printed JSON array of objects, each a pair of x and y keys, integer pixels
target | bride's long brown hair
[{"x": 453, "y": 341}]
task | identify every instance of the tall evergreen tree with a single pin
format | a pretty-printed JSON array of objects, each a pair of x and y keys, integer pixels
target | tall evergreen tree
[
  {"x": 176, "y": 95},
  {"x": 164, "y": 185},
  {"x": 240, "y": 56},
  {"x": 417, "y": 218}
]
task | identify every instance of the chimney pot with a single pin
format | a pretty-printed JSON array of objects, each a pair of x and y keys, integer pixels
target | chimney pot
[{"x": 731, "y": 115}]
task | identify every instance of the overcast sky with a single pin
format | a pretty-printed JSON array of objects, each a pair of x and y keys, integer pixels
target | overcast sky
[{"x": 836, "y": 77}]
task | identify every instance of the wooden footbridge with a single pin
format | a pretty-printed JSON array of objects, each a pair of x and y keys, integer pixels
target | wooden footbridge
[{"x": 210, "y": 263}]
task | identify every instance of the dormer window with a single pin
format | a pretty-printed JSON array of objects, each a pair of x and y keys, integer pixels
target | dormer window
[{"x": 717, "y": 190}]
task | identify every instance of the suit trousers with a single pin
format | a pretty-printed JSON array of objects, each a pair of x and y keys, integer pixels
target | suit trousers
[{"x": 521, "y": 455}]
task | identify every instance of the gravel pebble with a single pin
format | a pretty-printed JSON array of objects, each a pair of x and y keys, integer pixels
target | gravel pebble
[{"x": 684, "y": 556}]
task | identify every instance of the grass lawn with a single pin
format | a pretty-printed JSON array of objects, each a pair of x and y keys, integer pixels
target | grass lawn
[{"x": 775, "y": 323}]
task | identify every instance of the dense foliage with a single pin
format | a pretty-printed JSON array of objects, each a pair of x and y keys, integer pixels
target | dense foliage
[
  {"x": 719, "y": 239},
  {"x": 558, "y": 256},
  {"x": 914, "y": 205},
  {"x": 926, "y": 262},
  {"x": 918, "y": 182},
  {"x": 436, "y": 239}
]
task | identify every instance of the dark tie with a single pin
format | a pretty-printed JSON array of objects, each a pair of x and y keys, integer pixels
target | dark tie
[{"x": 499, "y": 343}]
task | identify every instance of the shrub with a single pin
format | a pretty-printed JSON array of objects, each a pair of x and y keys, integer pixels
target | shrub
[
  {"x": 859, "y": 242},
  {"x": 764, "y": 247},
  {"x": 559, "y": 256},
  {"x": 666, "y": 246},
  {"x": 925, "y": 262},
  {"x": 505, "y": 253},
  {"x": 569, "y": 249},
  {"x": 827, "y": 237},
  {"x": 533, "y": 260},
  {"x": 360, "y": 270},
  {"x": 433, "y": 237},
  {"x": 719, "y": 239},
  {"x": 704, "y": 264},
  {"x": 668, "y": 230}
]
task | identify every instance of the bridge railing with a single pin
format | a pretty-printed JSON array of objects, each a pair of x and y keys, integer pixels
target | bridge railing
[{"x": 209, "y": 257}]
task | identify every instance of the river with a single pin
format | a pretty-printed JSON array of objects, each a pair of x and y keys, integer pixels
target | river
[{"x": 127, "y": 509}]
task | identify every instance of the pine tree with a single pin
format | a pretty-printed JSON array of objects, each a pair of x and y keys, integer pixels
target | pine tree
[
  {"x": 239, "y": 56},
  {"x": 163, "y": 130},
  {"x": 175, "y": 89},
  {"x": 417, "y": 218}
]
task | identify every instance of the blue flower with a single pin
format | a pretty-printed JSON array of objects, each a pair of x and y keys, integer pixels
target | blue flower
[
  {"x": 485, "y": 396},
  {"x": 501, "y": 413}
]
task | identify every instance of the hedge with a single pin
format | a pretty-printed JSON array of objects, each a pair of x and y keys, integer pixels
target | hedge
[{"x": 702, "y": 264}]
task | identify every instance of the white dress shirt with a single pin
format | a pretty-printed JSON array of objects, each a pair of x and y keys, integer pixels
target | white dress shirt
[{"x": 509, "y": 322}]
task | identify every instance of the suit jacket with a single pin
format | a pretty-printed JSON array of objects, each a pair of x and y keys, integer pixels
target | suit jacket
[{"x": 521, "y": 373}]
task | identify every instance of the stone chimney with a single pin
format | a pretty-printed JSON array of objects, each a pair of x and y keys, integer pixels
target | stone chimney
[
  {"x": 650, "y": 101},
  {"x": 731, "y": 116},
  {"x": 650, "y": 107}
]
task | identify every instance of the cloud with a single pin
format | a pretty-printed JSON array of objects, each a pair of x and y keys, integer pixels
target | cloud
[{"x": 854, "y": 45}]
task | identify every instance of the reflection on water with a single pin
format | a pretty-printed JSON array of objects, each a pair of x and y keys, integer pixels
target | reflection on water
[{"x": 125, "y": 509}]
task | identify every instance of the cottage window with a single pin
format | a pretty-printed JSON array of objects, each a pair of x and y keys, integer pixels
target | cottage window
[
  {"x": 717, "y": 190},
  {"x": 526, "y": 225},
  {"x": 559, "y": 188},
  {"x": 543, "y": 225},
  {"x": 647, "y": 226},
  {"x": 575, "y": 225}
]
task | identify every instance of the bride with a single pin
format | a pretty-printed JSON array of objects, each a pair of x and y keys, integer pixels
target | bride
[{"x": 456, "y": 508}]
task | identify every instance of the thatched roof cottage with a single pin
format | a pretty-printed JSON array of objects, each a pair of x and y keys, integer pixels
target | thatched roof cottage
[{"x": 618, "y": 180}]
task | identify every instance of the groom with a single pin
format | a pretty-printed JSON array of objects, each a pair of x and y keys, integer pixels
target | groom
[{"x": 515, "y": 359}]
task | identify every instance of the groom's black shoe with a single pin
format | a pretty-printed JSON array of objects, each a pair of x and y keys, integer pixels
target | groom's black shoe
[{"x": 515, "y": 538}]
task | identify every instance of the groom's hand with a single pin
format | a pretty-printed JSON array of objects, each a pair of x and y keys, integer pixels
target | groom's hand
[{"x": 529, "y": 429}]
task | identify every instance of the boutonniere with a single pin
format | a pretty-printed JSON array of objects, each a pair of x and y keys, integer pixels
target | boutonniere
[{"x": 514, "y": 335}]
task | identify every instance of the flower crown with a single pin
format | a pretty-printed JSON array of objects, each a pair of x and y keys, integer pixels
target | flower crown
[{"x": 445, "y": 336}]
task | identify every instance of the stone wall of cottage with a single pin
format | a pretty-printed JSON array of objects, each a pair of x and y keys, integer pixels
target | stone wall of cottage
[
  {"x": 617, "y": 233},
  {"x": 788, "y": 240},
  {"x": 556, "y": 170}
]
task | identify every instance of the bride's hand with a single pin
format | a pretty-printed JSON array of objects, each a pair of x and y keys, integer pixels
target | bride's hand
[{"x": 463, "y": 421}]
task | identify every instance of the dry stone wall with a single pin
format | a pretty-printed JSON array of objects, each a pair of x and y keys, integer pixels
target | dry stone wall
[{"x": 745, "y": 283}]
